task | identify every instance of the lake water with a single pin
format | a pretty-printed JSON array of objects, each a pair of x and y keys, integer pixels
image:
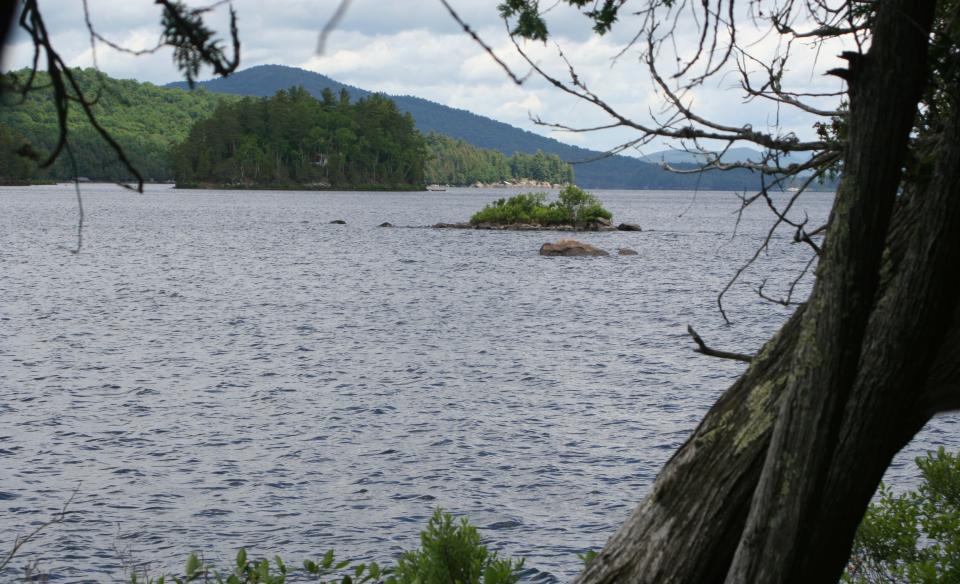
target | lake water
[{"x": 226, "y": 369}]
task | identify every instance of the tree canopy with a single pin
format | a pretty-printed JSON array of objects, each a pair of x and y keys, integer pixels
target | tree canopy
[
  {"x": 293, "y": 139},
  {"x": 146, "y": 121},
  {"x": 455, "y": 162}
]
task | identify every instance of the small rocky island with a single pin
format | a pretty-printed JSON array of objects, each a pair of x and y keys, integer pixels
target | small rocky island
[{"x": 574, "y": 210}]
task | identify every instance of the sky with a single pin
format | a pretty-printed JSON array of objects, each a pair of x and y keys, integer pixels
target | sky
[{"x": 414, "y": 47}]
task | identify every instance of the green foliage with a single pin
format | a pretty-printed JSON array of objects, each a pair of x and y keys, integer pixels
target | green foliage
[
  {"x": 294, "y": 139},
  {"x": 263, "y": 571},
  {"x": 588, "y": 556},
  {"x": 530, "y": 23},
  {"x": 146, "y": 120},
  {"x": 452, "y": 553},
  {"x": 573, "y": 207},
  {"x": 14, "y": 168},
  {"x": 914, "y": 537},
  {"x": 455, "y": 162}
]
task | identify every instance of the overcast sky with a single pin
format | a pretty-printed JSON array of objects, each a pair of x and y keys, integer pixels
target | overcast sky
[{"x": 414, "y": 47}]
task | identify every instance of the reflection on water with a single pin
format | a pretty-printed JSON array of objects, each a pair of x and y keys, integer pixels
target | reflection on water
[{"x": 226, "y": 369}]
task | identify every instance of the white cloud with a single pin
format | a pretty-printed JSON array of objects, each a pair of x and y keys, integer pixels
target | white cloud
[{"x": 413, "y": 47}]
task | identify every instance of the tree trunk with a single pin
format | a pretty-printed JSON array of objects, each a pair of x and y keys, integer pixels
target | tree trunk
[{"x": 773, "y": 483}]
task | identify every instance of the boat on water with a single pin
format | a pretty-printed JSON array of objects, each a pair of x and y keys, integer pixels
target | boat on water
[{"x": 436, "y": 188}]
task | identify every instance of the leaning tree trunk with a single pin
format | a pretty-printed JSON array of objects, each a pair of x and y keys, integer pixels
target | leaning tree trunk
[{"x": 772, "y": 484}]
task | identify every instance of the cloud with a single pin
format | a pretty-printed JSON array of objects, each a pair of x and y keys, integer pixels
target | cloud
[{"x": 415, "y": 48}]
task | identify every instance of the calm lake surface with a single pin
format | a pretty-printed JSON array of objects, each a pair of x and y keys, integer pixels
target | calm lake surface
[{"x": 226, "y": 369}]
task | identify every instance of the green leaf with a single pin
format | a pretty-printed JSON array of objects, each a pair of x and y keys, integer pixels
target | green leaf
[
  {"x": 327, "y": 559},
  {"x": 193, "y": 566}
]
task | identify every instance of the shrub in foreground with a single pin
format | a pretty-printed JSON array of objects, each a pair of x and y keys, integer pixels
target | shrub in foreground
[
  {"x": 450, "y": 552},
  {"x": 913, "y": 537}
]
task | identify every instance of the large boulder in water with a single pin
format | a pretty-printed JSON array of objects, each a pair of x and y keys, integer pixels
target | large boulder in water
[
  {"x": 570, "y": 247},
  {"x": 628, "y": 227}
]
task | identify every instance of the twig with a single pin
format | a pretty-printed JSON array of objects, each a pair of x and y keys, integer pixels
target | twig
[
  {"x": 20, "y": 541},
  {"x": 332, "y": 25},
  {"x": 466, "y": 28},
  {"x": 703, "y": 348}
]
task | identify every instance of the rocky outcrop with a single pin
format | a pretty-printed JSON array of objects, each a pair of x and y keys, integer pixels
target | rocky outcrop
[
  {"x": 628, "y": 227},
  {"x": 571, "y": 247},
  {"x": 338, "y": 222},
  {"x": 519, "y": 182},
  {"x": 385, "y": 224},
  {"x": 626, "y": 251},
  {"x": 598, "y": 224}
]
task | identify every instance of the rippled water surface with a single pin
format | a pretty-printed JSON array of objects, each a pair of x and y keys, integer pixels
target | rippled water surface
[{"x": 226, "y": 369}]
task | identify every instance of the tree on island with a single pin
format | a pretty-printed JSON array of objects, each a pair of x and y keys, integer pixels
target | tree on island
[
  {"x": 771, "y": 485},
  {"x": 294, "y": 140}
]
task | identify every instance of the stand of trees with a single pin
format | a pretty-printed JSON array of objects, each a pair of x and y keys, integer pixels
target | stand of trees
[
  {"x": 292, "y": 139},
  {"x": 456, "y": 162},
  {"x": 145, "y": 120},
  {"x": 14, "y": 169}
]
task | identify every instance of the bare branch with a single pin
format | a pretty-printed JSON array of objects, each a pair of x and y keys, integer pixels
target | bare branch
[
  {"x": 332, "y": 25},
  {"x": 466, "y": 28},
  {"x": 704, "y": 349},
  {"x": 577, "y": 88},
  {"x": 22, "y": 540}
]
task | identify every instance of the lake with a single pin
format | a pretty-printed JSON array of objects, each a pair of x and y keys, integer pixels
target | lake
[{"x": 226, "y": 369}]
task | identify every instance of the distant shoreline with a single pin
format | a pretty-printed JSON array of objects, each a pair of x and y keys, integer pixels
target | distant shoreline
[{"x": 300, "y": 187}]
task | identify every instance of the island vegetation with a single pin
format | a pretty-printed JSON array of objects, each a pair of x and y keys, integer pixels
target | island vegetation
[
  {"x": 574, "y": 208},
  {"x": 456, "y": 162},
  {"x": 294, "y": 140}
]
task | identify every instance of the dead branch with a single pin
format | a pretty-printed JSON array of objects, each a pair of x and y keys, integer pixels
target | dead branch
[
  {"x": 476, "y": 38},
  {"x": 331, "y": 25},
  {"x": 20, "y": 541},
  {"x": 704, "y": 349}
]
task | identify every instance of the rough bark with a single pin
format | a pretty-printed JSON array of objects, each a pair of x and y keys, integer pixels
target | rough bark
[
  {"x": 682, "y": 531},
  {"x": 772, "y": 484},
  {"x": 885, "y": 86}
]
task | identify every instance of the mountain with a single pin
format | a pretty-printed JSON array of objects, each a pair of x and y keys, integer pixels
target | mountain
[
  {"x": 731, "y": 155},
  {"x": 684, "y": 157},
  {"x": 612, "y": 172}
]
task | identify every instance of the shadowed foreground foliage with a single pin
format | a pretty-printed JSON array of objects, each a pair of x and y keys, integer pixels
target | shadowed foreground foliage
[
  {"x": 449, "y": 552},
  {"x": 913, "y": 537}
]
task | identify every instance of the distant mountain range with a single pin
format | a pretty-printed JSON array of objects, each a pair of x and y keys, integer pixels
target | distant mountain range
[
  {"x": 731, "y": 155},
  {"x": 610, "y": 172}
]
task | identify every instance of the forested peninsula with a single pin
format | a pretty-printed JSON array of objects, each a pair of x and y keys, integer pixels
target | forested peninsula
[
  {"x": 293, "y": 140},
  {"x": 456, "y": 162},
  {"x": 290, "y": 140}
]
